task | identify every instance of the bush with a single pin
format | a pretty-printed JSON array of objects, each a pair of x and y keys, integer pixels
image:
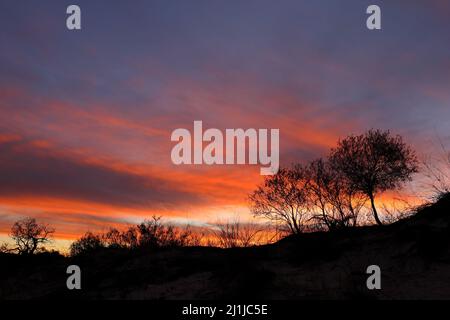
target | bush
[
  {"x": 150, "y": 234},
  {"x": 86, "y": 244}
]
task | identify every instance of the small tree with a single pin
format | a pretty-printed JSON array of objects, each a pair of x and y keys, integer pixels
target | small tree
[
  {"x": 283, "y": 197},
  {"x": 130, "y": 237},
  {"x": 336, "y": 202},
  {"x": 374, "y": 162},
  {"x": 154, "y": 233},
  {"x": 29, "y": 235},
  {"x": 233, "y": 234},
  {"x": 150, "y": 232},
  {"x": 89, "y": 242},
  {"x": 114, "y": 239},
  {"x": 437, "y": 172}
]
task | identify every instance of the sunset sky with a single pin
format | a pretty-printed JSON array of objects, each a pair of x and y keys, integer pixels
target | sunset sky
[{"x": 86, "y": 116}]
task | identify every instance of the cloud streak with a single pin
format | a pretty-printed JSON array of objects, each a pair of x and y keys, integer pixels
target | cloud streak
[{"x": 33, "y": 168}]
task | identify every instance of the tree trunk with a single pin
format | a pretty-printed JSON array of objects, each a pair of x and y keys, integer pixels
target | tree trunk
[
  {"x": 374, "y": 210},
  {"x": 297, "y": 229}
]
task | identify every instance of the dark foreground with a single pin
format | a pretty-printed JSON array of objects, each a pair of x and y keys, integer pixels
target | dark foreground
[{"x": 413, "y": 254}]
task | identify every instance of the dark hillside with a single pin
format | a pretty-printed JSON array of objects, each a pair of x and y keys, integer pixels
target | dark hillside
[{"x": 413, "y": 254}]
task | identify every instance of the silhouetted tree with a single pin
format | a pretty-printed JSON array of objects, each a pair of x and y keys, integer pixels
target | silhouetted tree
[
  {"x": 29, "y": 235},
  {"x": 437, "y": 172},
  {"x": 130, "y": 237},
  {"x": 151, "y": 234},
  {"x": 155, "y": 234},
  {"x": 233, "y": 234},
  {"x": 337, "y": 202},
  {"x": 89, "y": 242},
  {"x": 114, "y": 239},
  {"x": 374, "y": 162},
  {"x": 283, "y": 197}
]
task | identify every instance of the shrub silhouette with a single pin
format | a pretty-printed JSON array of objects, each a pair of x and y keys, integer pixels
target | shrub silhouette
[
  {"x": 234, "y": 234},
  {"x": 150, "y": 234},
  {"x": 154, "y": 234},
  {"x": 86, "y": 244},
  {"x": 437, "y": 172}
]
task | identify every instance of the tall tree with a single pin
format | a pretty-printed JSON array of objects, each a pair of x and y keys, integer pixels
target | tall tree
[{"x": 374, "y": 162}]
